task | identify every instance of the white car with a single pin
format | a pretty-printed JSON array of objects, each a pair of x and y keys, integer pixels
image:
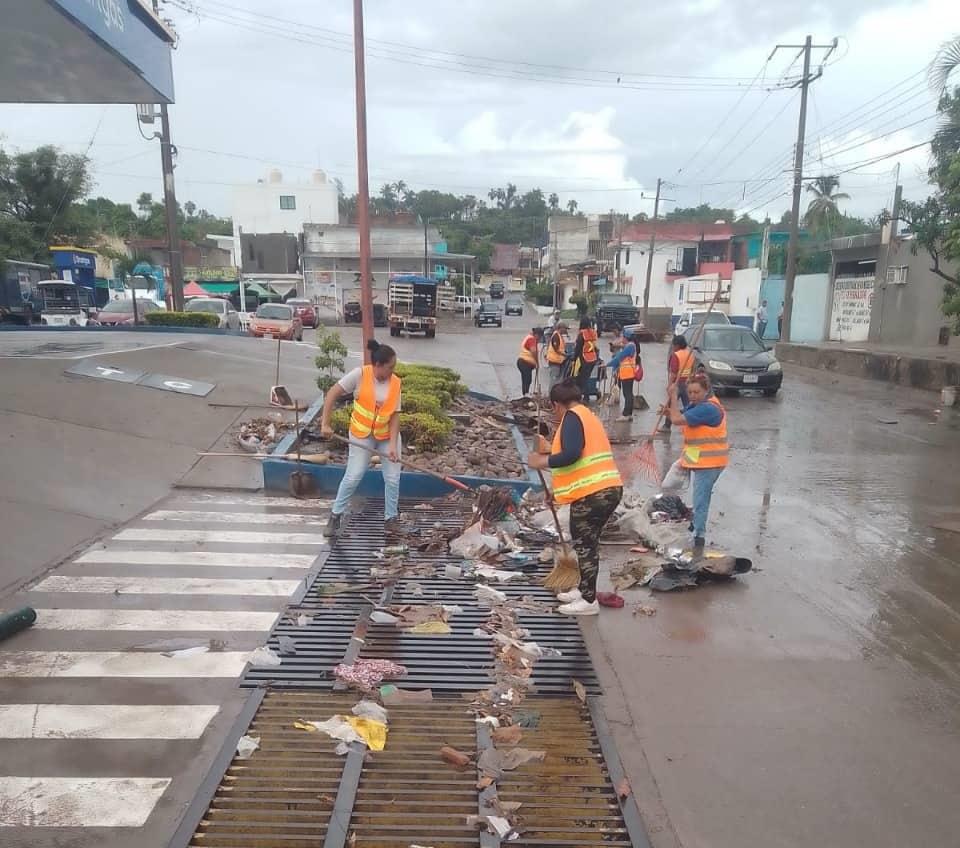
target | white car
[
  {"x": 691, "y": 317},
  {"x": 228, "y": 316}
]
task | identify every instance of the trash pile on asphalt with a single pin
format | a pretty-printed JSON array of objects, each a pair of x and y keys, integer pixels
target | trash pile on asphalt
[{"x": 261, "y": 435}]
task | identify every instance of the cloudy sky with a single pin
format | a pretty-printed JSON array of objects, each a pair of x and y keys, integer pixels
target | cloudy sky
[{"x": 592, "y": 101}]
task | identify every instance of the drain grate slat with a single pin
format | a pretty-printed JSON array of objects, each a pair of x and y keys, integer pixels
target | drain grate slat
[{"x": 283, "y": 796}]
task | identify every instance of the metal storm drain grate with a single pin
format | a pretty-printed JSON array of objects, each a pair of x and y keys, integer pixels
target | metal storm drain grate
[
  {"x": 295, "y": 792},
  {"x": 332, "y": 622}
]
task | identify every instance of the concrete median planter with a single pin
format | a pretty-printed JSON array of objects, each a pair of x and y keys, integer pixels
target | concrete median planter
[{"x": 413, "y": 484}]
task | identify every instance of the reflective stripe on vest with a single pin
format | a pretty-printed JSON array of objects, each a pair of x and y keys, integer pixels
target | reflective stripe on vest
[
  {"x": 556, "y": 357},
  {"x": 589, "y": 345},
  {"x": 369, "y": 417},
  {"x": 704, "y": 446},
  {"x": 686, "y": 360},
  {"x": 594, "y": 471},
  {"x": 526, "y": 354}
]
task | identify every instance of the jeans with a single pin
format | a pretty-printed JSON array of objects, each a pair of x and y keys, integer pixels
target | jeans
[
  {"x": 556, "y": 375},
  {"x": 626, "y": 386},
  {"x": 704, "y": 479},
  {"x": 358, "y": 461},
  {"x": 583, "y": 377},
  {"x": 526, "y": 375},
  {"x": 761, "y": 328}
]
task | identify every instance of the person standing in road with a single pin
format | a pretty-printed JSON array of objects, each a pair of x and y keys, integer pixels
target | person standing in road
[
  {"x": 780, "y": 321},
  {"x": 762, "y": 319},
  {"x": 629, "y": 371},
  {"x": 705, "y": 450},
  {"x": 557, "y": 353},
  {"x": 585, "y": 354},
  {"x": 374, "y": 424},
  {"x": 529, "y": 359},
  {"x": 679, "y": 369},
  {"x": 586, "y": 477}
]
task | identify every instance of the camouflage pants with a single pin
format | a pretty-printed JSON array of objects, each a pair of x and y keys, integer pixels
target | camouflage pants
[{"x": 588, "y": 517}]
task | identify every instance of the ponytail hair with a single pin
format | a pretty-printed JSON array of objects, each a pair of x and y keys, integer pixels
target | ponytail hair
[
  {"x": 380, "y": 354},
  {"x": 566, "y": 392}
]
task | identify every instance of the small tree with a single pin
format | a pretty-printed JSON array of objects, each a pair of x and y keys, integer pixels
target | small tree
[{"x": 331, "y": 359}]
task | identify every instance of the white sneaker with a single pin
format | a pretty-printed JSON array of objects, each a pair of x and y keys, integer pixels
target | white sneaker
[
  {"x": 568, "y": 597},
  {"x": 580, "y": 607}
]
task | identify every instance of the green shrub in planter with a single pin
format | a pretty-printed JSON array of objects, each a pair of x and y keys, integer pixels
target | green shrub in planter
[
  {"x": 181, "y": 319},
  {"x": 426, "y": 432},
  {"x": 417, "y": 401},
  {"x": 340, "y": 420}
]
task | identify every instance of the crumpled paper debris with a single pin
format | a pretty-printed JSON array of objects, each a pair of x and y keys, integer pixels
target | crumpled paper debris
[
  {"x": 263, "y": 656},
  {"x": 390, "y": 694},
  {"x": 488, "y": 572},
  {"x": 370, "y": 709},
  {"x": 488, "y": 597},
  {"x": 381, "y": 617},
  {"x": 493, "y": 762},
  {"x": 350, "y": 729},
  {"x": 246, "y": 745},
  {"x": 368, "y": 673},
  {"x": 473, "y": 543}
]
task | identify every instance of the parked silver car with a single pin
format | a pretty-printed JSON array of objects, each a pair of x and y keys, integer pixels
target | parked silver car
[{"x": 223, "y": 309}]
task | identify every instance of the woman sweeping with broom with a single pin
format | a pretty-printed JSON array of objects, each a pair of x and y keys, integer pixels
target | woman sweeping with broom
[{"x": 586, "y": 477}]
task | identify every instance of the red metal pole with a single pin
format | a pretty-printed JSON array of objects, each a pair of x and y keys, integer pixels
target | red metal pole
[{"x": 363, "y": 187}]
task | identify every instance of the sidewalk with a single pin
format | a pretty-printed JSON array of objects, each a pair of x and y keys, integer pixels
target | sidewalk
[{"x": 929, "y": 368}]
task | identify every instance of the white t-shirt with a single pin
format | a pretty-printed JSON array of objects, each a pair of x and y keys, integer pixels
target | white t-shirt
[
  {"x": 762, "y": 313},
  {"x": 350, "y": 383}
]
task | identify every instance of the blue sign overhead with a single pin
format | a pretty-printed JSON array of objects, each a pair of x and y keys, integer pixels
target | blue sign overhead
[{"x": 84, "y": 51}]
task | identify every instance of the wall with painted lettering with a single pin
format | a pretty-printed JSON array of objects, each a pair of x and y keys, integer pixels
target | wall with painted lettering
[{"x": 850, "y": 315}]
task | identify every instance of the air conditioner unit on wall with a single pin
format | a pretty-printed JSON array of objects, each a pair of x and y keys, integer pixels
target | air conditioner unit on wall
[{"x": 897, "y": 275}]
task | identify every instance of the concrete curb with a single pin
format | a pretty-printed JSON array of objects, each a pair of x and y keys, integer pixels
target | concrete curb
[
  {"x": 277, "y": 471},
  {"x": 213, "y": 331},
  {"x": 903, "y": 369}
]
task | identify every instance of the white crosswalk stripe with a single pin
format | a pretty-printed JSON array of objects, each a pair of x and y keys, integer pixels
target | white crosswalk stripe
[
  {"x": 89, "y": 621},
  {"x": 160, "y": 620},
  {"x": 105, "y": 721},
  {"x": 198, "y": 558},
  {"x": 243, "y": 537}
]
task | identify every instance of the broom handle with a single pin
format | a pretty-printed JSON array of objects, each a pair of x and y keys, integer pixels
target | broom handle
[
  {"x": 450, "y": 481},
  {"x": 697, "y": 333},
  {"x": 553, "y": 509}
]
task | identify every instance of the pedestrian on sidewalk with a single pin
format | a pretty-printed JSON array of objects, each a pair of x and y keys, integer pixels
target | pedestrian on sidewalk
[
  {"x": 585, "y": 355},
  {"x": 780, "y": 321},
  {"x": 629, "y": 371},
  {"x": 586, "y": 477},
  {"x": 705, "y": 450},
  {"x": 762, "y": 319},
  {"x": 557, "y": 353},
  {"x": 529, "y": 359},
  {"x": 374, "y": 425},
  {"x": 679, "y": 369}
]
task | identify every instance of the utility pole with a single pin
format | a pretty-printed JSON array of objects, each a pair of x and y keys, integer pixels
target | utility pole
[
  {"x": 554, "y": 267},
  {"x": 653, "y": 244},
  {"x": 426, "y": 267},
  {"x": 363, "y": 185},
  {"x": 170, "y": 203},
  {"x": 794, "y": 244}
]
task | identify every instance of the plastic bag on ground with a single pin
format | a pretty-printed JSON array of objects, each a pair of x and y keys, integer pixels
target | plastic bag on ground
[
  {"x": 472, "y": 543},
  {"x": 488, "y": 597},
  {"x": 370, "y": 709},
  {"x": 263, "y": 656},
  {"x": 246, "y": 745}
]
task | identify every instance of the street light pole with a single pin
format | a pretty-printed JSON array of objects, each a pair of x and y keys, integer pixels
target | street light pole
[
  {"x": 653, "y": 244},
  {"x": 363, "y": 185}
]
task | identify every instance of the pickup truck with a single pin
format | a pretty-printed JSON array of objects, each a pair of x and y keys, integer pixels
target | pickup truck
[
  {"x": 413, "y": 305},
  {"x": 616, "y": 310}
]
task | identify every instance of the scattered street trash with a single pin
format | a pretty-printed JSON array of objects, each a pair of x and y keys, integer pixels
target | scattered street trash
[
  {"x": 493, "y": 762},
  {"x": 454, "y": 757},
  {"x": 497, "y": 825},
  {"x": 643, "y": 609},
  {"x": 527, "y": 719},
  {"x": 288, "y": 648},
  {"x": 187, "y": 652},
  {"x": 623, "y": 788},
  {"x": 452, "y": 572},
  {"x": 507, "y": 735},
  {"x": 368, "y": 674},
  {"x": 473, "y": 543},
  {"x": 610, "y": 599},
  {"x": 303, "y": 620},
  {"x": 380, "y": 617},
  {"x": 263, "y": 657},
  {"x": 488, "y": 597},
  {"x": 431, "y": 628},
  {"x": 246, "y": 745},
  {"x": 390, "y": 695},
  {"x": 581, "y": 692},
  {"x": 370, "y": 709},
  {"x": 373, "y": 733},
  {"x": 639, "y": 549},
  {"x": 488, "y": 572}
]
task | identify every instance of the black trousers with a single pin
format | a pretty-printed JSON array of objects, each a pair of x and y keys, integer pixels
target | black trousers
[
  {"x": 626, "y": 387},
  {"x": 583, "y": 377},
  {"x": 588, "y": 516},
  {"x": 526, "y": 375}
]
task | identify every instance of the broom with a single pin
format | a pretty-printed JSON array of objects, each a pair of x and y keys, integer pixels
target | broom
[
  {"x": 565, "y": 573},
  {"x": 645, "y": 457}
]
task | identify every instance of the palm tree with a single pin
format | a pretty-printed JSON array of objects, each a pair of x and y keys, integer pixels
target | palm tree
[
  {"x": 572, "y": 207},
  {"x": 145, "y": 203},
  {"x": 945, "y": 63},
  {"x": 554, "y": 202},
  {"x": 189, "y": 207},
  {"x": 823, "y": 207}
]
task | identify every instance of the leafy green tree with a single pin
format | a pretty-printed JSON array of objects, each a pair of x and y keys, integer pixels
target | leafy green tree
[{"x": 331, "y": 359}]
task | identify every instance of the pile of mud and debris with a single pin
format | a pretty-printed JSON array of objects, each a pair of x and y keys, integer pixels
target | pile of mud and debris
[{"x": 263, "y": 434}]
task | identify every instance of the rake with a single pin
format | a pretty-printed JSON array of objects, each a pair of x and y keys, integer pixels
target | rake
[{"x": 645, "y": 457}]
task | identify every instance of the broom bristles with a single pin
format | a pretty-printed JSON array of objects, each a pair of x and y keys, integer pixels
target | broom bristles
[
  {"x": 565, "y": 573},
  {"x": 647, "y": 466}
]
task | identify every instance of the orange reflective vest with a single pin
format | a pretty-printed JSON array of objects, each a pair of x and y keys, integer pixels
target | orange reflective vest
[
  {"x": 589, "y": 345},
  {"x": 594, "y": 471},
  {"x": 554, "y": 356},
  {"x": 628, "y": 366},
  {"x": 368, "y": 416},
  {"x": 706, "y": 447},
  {"x": 686, "y": 361},
  {"x": 526, "y": 354}
]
